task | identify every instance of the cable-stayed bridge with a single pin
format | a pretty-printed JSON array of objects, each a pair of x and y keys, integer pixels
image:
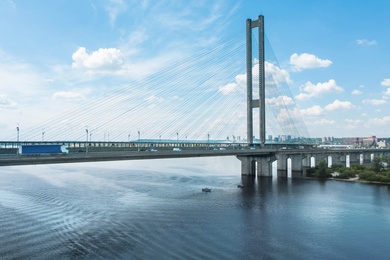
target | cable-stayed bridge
[
  {"x": 202, "y": 96},
  {"x": 203, "y": 105}
]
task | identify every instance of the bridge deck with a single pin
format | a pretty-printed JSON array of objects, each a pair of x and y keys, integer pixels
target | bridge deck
[
  {"x": 10, "y": 160},
  {"x": 120, "y": 156}
]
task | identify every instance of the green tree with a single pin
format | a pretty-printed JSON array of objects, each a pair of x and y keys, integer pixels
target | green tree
[
  {"x": 376, "y": 165},
  {"x": 322, "y": 171}
]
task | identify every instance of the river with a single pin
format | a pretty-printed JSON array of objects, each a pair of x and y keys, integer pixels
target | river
[{"x": 156, "y": 210}]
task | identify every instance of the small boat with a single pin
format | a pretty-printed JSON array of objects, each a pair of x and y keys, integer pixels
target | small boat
[
  {"x": 206, "y": 190},
  {"x": 240, "y": 186}
]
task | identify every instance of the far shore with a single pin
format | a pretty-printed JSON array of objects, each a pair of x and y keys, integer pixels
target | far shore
[{"x": 356, "y": 179}]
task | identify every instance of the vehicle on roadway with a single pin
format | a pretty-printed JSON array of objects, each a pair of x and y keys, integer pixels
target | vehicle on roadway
[{"x": 43, "y": 149}]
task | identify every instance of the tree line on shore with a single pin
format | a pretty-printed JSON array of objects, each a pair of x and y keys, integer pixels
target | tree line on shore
[{"x": 377, "y": 171}]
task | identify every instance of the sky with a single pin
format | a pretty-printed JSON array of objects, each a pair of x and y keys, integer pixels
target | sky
[{"x": 105, "y": 65}]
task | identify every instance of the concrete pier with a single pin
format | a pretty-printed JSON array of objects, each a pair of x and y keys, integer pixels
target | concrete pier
[
  {"x": 282, "y": 165},
  {"x": 257, "y": 165},
  {"x": 297, "y": 165},
  {"x": 354, "y": 158},
  {"x": 264, "y": 166},
  {"x": 261, "y": 164}
]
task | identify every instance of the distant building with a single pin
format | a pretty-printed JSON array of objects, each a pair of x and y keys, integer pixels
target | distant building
[
  {"x": 381, "y": 143},
  {"x": 369, "y": 141}
]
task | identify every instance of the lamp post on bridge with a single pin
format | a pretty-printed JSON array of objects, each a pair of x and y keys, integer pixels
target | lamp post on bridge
[
  {"x": 139, "y": 137},
  {"x": 208, "y": 141},
  {"x": 86, "y": 144},
  {"x": 17, "y": 140}
]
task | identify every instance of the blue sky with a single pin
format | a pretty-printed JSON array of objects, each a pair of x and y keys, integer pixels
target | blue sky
[{"x": 56, "y": 56}]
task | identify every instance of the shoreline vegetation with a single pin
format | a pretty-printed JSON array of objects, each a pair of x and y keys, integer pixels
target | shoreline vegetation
[{"x": 378, "y": 172}]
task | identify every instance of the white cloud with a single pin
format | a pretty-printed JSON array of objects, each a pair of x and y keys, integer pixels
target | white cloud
[
  {"x": 273, "y": 73},
  {"x": 274, "y": 76},
  {"x": 366, "y": 42},
  {"x": 387, "y": 93},
  {"x": 229, "y": 88},
  {"x": 114, "y": 8},
  {"x": 352, "y": 124},
  {"x": 323, "y": 122},
  {"x": 307, "y": 61},
  {"x": 280, "y": 101},
  {"x": 353, "y": 121},
  {"x": 287, "y": 114},
  {"x": 385, "y": 83},
  {"x": 374, "y": 102},
  {"x": 356, "y": 92},
  {"x": 105, "y": 59},
  {"x": 6, "y": 103},
  {"x": 379, "y": 121},
  {"x": 339, "y": 105},
  {"x": 68, "y": 95},
  {"x": 319, "y": 89},
  {"x": 312, "y": 111}
]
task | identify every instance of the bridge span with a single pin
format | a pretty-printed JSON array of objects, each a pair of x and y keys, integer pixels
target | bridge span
[{"x": 253, "y": 161}]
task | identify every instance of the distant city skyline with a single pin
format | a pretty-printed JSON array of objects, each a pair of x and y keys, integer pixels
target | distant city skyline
[{"x": 58, "y": 55}]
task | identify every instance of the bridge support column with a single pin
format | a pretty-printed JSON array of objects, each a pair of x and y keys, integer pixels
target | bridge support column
[
  {"x": 282, "y": 166},
  {"x": 297, "y": 165},
  {"x": 319, "y": 158},
  {"x": 376, "y": 156},
  {"x": 252, "y": 164},
  {"x": 354, "y": 158},
  {"x": 306, "y": 163},
  {"x": 336, "y": 159},
  {"x": 264, "y": 166},
  {"x": 248, "y": 165},
  {"x": 366, "y": 158}
]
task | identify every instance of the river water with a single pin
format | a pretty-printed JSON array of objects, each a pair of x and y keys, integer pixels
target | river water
[{"x": 156, "y": 210}]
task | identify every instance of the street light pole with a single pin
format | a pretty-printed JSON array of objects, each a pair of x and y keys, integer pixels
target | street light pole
[
  {"x": 208, "y": 141},
  {"x": 86, "y": 144},
  {"x": 17, "y": 140},
  {"x": 139, "y": 136}
]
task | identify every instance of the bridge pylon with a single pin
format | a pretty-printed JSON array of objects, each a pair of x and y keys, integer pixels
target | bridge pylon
[{"x": 260, "y": 102}]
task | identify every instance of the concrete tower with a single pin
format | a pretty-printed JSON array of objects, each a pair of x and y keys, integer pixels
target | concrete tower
[{"x": 254, "y": 103}]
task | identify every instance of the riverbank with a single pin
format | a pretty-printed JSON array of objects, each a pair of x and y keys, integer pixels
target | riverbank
[{"x": 356, "y": 179}]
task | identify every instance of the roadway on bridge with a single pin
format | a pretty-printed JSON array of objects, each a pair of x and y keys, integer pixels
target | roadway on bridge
[
  {"x": 120, "y": 156},
  {"x": 11, "y": 160}
]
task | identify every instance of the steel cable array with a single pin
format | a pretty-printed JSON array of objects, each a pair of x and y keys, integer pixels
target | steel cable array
[{"x": 182, "y": 100}]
